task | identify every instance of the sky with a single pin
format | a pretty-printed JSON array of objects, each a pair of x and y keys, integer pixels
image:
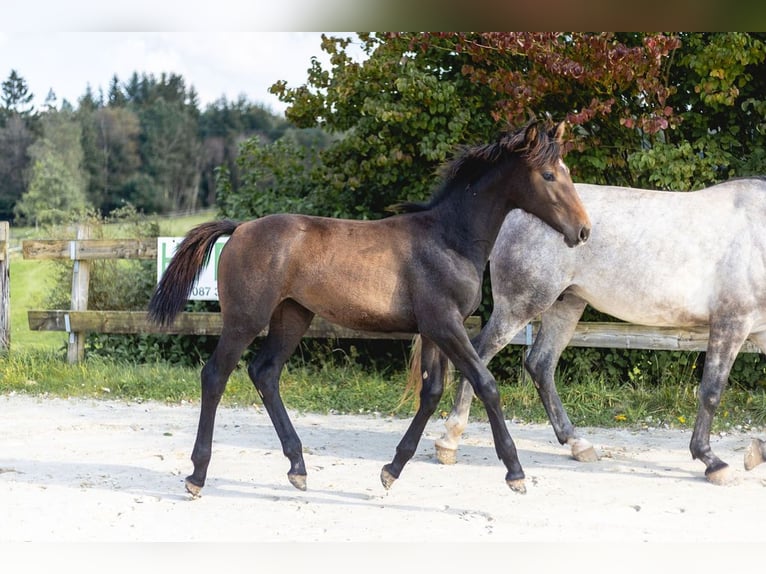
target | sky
[{"x": 226, "y": 63}]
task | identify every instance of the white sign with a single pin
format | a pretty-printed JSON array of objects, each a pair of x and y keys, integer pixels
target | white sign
[{"x": 206, "y": 287}]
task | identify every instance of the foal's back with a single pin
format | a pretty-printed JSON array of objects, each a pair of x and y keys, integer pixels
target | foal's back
[{"x": 359, "y": 274}]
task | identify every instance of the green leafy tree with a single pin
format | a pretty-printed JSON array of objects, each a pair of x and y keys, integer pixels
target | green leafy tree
[
  {"x": 18, "y": 130},
  {"x": 15, "y": 139},
  {"x": 170, "y": 153},
  {"x": 16, "y": 97},
  {"x": 278, "y": 172},
  {"x": 54, "y": 194},
  {"x": 223, "y": 127},
  {"x": 57, "y": 184},
  {"x": 719, "y": 82},
  {"x": 415, "y": 98},
  {"x": 110, "y": 143}
]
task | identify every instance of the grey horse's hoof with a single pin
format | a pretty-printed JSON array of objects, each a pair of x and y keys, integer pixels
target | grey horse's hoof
[
  {"x": 754, "y": 453},
  {"x": 446, "y": 455},
  {"x": 582, "y": 450},
  {"x": 297, "y": 480}
]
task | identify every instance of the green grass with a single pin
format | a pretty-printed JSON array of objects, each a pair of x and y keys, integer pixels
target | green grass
[
  {"x": 351, "y": 389},
  {"x": 30, "y": 281},
  {"x": 178, "y": 226}
]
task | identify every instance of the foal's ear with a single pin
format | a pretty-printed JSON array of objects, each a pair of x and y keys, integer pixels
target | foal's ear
[
  {"x": 530, "y": 135},
  {"x": 557, "y": 133}
]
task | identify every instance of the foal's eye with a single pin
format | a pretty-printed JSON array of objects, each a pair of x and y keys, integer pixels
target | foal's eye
[{"x": 548, "y": 176}]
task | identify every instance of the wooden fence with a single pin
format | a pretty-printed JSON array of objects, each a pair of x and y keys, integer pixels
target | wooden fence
[
  {"x": 79, "y": 320},
  {"x": 5, "y": 288}
]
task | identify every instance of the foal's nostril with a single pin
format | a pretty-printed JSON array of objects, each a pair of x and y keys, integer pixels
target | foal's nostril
[{"x": 584, "y": 234}]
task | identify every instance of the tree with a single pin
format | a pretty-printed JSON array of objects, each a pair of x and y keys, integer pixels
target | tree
[
  {"x": 417, "y": 97},
  {"x": 18, "y": 130},
  {"x": 57, "y": 183},
  {"x": 224, "y": 126},
  {"x": 15, "y": 139},
  {"x": 170, "y": 153},
  {"x": 110, "y": 143},
  {"x": 719, "y": 82},
  {"x": 16, "y": 97}
]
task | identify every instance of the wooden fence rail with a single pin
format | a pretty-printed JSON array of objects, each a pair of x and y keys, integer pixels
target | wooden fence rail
[{"x": 78, "y": 320}]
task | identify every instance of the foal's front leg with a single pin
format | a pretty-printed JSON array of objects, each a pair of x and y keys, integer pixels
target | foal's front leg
[
  {"x": 454, "y": 342},
  {"x": 495, "y": 335}
]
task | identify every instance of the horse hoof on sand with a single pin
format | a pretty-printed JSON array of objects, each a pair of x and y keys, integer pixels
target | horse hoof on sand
[
  {"x": 517, "y": 486},
  {"x": 582, "y": 450},
  {"x": 193, "y": 489},
  {"x": 387, "y": 478},
  {"x": 297, "y": 480},
  {"x": 446, "y": 455},
  {"x": 720, "y": 476},
  {"x": 754, "y": 453}
]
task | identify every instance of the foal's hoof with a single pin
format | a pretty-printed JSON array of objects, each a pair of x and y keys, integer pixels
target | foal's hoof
[
  {"x": 446, "y": 455},
  {"x": 719, "y": 475},
  {"x": 517, "y": 486},
  {"x": 387, "y": 478},
  {"x": 582, "y": 450},
  {"x": 754, "y": 453},
  {"x": 297, "y": 480},
  {"x": 194, "y": 489}
]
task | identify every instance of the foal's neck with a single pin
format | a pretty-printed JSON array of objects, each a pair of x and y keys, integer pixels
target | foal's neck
[{"x": 472, "y": 218}]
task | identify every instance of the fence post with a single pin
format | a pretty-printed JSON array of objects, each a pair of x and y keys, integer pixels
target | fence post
[
  {"x": 80, "y": 283},
  {"x": 5, "y": 287}
]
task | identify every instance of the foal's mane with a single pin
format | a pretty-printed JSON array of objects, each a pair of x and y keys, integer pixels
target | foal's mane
[{"x": 472, "y": 160}]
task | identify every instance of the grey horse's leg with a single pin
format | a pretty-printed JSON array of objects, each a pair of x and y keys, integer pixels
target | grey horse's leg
[
  {"x": 558, "y": 324},
  {"x": 495, "y": 335},
  {"x": 725, "y": 340},
  {"x": 755, "y": 453}
]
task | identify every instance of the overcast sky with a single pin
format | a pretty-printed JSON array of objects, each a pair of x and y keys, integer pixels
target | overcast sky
[{"x": 215, "y": 63}]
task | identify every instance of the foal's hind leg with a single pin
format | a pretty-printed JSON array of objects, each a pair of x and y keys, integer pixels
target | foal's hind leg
[
  {"x": 288, "y": 324},
  {"x": 557, "y": 326},
  {"x": 726, "y": 338},
  {"x": 214, "y": 376},
  {"x": 434, "y": 366}
]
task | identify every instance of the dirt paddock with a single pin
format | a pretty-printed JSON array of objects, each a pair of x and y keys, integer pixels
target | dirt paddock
[{"x": 106, "y": 471}]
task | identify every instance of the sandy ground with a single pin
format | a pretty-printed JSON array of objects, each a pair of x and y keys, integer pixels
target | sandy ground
[{"x": 100, "y": 471}]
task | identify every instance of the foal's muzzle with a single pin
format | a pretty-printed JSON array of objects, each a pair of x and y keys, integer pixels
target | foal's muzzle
[{"x": 581, "y": 237}]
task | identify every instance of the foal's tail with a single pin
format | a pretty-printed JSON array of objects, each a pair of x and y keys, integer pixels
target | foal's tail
[
  {"x": 414, "y": 380},
  {"x": 414, "y": 377},
  {"x": 176, "y": 283}
]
